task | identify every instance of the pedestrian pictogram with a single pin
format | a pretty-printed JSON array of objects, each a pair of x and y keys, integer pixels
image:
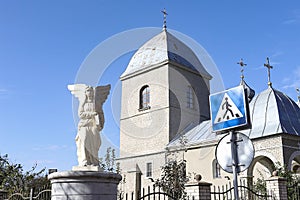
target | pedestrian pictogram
[{"x": 229, "y": 109}]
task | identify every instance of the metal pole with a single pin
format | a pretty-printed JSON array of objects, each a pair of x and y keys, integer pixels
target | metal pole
[
  {"x": 199, "y": 191},
  {"x": 235, "y": 163}
]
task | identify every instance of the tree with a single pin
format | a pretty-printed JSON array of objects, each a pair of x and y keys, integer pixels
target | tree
[
  {"x": 173, "y": 179},
  {"x": 260, "y": 185},
  {"x": 291, "y": 178},
  {"x": 14, "y": 179},
  {"x": 110, "y": 164}
]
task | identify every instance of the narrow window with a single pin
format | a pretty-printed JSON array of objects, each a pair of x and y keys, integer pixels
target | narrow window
[
  {"x": 190, "y": 97},
  {"x": 145, "y": 98},
  {"x": 149, "y": 169},
  {"x": 216, "y": 169}
]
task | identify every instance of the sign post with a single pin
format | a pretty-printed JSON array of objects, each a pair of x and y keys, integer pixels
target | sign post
[
  {"x": 230, "y": 111},
  {"x": 235, "y": 163}
]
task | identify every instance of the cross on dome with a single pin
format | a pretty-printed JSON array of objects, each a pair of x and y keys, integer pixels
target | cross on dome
[
  {"x": 242, "y": 64},
  {"x": 267, "y": 65},
  {"x": 165, "y": 19}
]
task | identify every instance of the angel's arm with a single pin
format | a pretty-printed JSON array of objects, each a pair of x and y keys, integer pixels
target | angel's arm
[{"x": 86, "y": 114}]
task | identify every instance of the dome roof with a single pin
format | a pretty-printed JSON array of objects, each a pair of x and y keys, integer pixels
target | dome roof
[
  {"x": 162, "y": 48},
  {"x": 272, "y": 112}
]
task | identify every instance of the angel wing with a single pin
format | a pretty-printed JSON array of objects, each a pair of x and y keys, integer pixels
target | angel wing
[
  {"x": 101, "y": 93},
  {"x": 78, "y": 90}
]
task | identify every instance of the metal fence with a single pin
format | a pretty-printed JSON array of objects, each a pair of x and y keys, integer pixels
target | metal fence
[
  {"x": 225, "y": 192},
  {"x": 245, "y": 193},
  {"x": 40, "y": 194},
  {"x": 217, "y": 193},
  {"x": 146, "y": 194}
]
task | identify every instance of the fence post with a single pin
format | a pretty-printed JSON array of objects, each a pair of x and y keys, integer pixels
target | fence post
[
  {"x": 277, "y": 186},
  {"x": 202, "y": 188}
]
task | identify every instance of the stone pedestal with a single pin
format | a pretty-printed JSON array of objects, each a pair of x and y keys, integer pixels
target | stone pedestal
[{"x": 84, "y": 185}]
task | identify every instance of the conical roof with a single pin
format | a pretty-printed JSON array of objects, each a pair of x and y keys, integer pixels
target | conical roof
[{"x": 162, "y": 48}]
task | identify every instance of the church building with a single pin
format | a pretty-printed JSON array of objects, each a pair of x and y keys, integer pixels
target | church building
[{"x": 165, "y": 113}]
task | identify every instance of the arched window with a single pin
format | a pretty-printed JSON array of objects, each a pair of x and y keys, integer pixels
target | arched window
[
  {"x": 145, "y": 98},
  {"x": 216, "y": 169}
]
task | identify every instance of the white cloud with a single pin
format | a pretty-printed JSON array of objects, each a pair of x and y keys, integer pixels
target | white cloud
[
  {"x": 286, "y": 80},
  {"x": 276, "y": 54},
  {"x": 291, "y": 85},
  {"x": 3, "y": 91},
  {"x": 293, "y": 81},
  {"x": 258, "y": 68},
  {"x": 297, "y": 72},
  {"x": 272, "y": 62},
  {"x": 44, "y": 162},
  {"x": 289, "y": 21},
  {"x": 293, "y": 19}
]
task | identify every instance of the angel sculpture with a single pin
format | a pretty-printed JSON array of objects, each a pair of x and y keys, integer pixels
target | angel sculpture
[{"x": 91, "y": 121}]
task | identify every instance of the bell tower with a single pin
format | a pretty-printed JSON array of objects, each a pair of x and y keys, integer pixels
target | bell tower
[{"x": 165, "y": 90}]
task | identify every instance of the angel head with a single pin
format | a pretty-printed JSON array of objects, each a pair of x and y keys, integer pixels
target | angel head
[
  {"x": 89, "y": 92},
  {"x": 84, "y": 92}
]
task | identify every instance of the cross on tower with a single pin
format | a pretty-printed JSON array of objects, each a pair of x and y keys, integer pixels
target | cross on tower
[
  {"x": 165, "y": 18},
  {"x": 242, "y": 64},
  {"x": 267, "y": 65}
]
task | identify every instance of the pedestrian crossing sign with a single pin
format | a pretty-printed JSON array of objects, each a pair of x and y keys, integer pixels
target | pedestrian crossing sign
[{"x": 229, "y": 109}]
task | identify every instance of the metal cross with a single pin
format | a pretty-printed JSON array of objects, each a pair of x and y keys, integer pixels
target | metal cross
[
  {"x": 267, "y": 65},
  {"x": 165, "y": 18},
  {"x": 242, "y": 64},
  {"x": 298, "y": 92}
]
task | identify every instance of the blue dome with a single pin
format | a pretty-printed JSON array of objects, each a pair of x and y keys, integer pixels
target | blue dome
[{"x": 273, "y": 112}]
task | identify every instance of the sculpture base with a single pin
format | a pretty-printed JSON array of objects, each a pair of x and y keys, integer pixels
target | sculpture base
[
  {"x": 87, "y": 168},
  {"x": 84, "y": 185}
]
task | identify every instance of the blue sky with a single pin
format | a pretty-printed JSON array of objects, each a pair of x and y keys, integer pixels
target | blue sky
[{"x": 44, "y": 43}]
